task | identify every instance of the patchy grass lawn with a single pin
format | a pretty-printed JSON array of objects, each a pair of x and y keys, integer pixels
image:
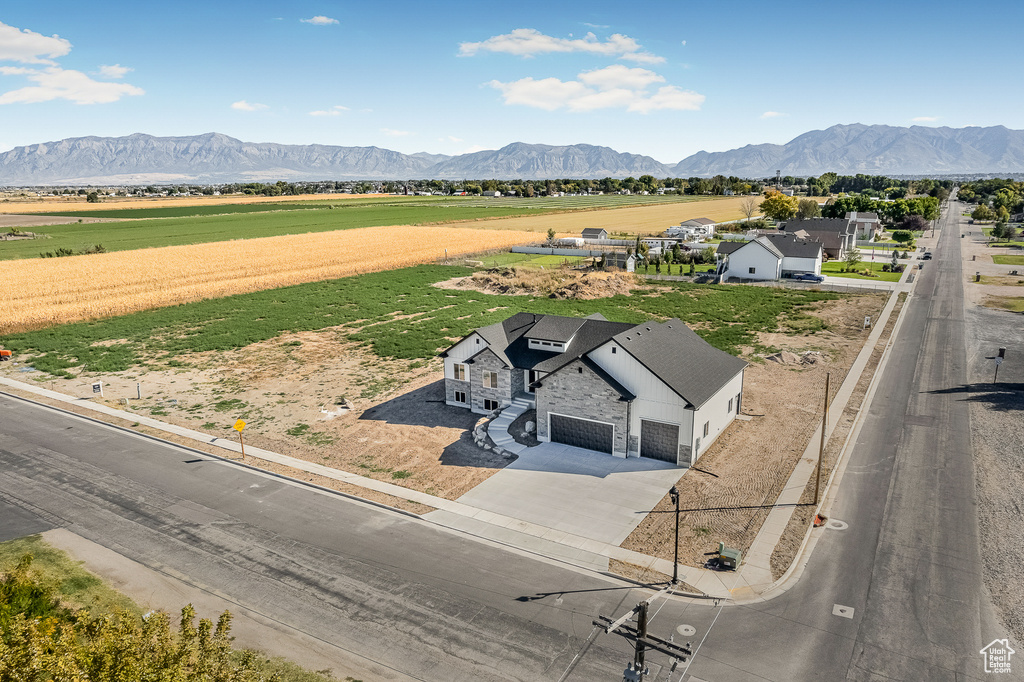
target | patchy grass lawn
[
  {"x": 1007, "y": 259},
  {"x": 1014, "y": 304},
  {"x": 835, "y": 269},
  {"x": 397, "y": 314}
]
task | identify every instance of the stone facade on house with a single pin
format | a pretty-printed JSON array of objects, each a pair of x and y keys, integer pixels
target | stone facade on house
[
  {"x": 577, "y": 391},
  {"x": 600, "y": 385},
  {"x": 487, "y": 361}
]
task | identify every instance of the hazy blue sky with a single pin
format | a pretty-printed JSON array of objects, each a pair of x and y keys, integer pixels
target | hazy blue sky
[{"x": 665, "y": 79}]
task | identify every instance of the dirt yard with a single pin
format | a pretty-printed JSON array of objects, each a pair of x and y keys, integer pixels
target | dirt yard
[
  {"x": 728, "y": 494},
  {"x": 557, "y": 283},
  {"x": 316, "y": 398}
]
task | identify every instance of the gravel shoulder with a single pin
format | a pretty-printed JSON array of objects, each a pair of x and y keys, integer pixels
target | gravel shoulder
[{"x": 997, "y": 430}]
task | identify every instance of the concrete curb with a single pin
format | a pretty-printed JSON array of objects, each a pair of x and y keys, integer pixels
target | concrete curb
[
  {"x": 219, "y": 458},
  {"x": 803, "y": 554}
]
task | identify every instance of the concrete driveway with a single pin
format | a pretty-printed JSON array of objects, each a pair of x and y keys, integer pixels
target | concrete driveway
[{"x": 576, "y": 491}]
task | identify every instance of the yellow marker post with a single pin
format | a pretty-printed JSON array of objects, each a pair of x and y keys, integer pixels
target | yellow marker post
[{"x": 239, "y": 425}]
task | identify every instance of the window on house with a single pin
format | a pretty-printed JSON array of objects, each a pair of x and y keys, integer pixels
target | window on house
[
  {"x": 490, "y": 405},
  {"x": 490, "y": 379},
  {"x": 460, "y": 397},
  {"x": 459, "y": 372},
  {"x": 579, "y": 370},
  {"x": 729, "y": 409},
  {"x": 707, "y": 428},
  {"x": 614, "y": 349},
  {"x": 751, "y": 270}
]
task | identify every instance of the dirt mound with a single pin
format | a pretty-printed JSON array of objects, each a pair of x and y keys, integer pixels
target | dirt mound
[
  {"x": 787, "y": 358},
  {"x": 564, "y": 284}
]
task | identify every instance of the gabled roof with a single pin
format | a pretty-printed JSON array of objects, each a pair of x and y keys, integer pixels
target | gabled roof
[
  {"x": 791, "y": 247},
  {"x": 837, "y": 225},
  {"x": 688, "y": 364},
  {"x": 554, "y": 328},
  {"x": 593, "y": 231},
  {"x": 726, "y": 248},
  {"x": 699, "y": 221}
]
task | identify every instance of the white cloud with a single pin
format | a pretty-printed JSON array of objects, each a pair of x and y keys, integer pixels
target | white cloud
[
  {"x": 29, "y": 47},
  {"x": 472, "y": 150},
  {"x": 668, "y": 97},
  {"x": 773, "y": 114},
  {"x": 613, "y": 87},
  {"x": 114, "y": 70},
  {"x": 333, "y": 111},
  {"x": 242, "y": 105},
  {"x": 54, "y": 82},
  {"x": 319, "y": 20},
  {"x": 619, "y": 76},
  {"x": 395, "y": 133},
  {"x": 589, "y": 25},
  {"x": 529, "y": 42},
  {"x": 51, "y": 82},
  {"x": 924, "y": 119},
  {"x": 683, "y": 43}
]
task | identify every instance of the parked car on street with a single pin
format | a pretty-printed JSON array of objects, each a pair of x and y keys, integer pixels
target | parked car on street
[{"x": 808, "y": 277}]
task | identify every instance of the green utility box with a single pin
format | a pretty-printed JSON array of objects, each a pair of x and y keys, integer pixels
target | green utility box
[{"x": 728, "y": 557}]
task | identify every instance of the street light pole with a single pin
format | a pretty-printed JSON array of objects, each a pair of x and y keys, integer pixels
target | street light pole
[{"x": 674, "y": 494}]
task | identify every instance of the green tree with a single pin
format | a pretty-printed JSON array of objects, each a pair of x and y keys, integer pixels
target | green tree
[
  {"x": 92, "y": 197},
  {"x": 902, "y": 236},
  {"x": 778, "y": 206},
  {"x": 852, "y": 258},
  {"x": 982, "y": 213},
  {"x": 551, "y": 235},
  {"x": 807, "y": 208}
]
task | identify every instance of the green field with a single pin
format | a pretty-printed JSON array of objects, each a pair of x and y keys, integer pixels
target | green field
[
  {"x": 1003, "y": 259},
  {"x": 834, "y": 269},
  {"x": 141, "y": 234},
  {"x": 341, "y": 201},
  {"x": 528, "y": 260},
  {"x": 728, "y": 317}
]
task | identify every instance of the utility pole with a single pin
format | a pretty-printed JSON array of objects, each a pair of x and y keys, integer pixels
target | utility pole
[
  {"x": 821, "y": 448},
  {"x": 643, "y": 641},
  {"x": 674, "y": 494}
]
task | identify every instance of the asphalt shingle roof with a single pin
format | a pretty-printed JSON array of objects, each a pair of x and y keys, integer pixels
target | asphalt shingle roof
[
  {"x": 672, "y": 351},
  {"x": 791, "y": 247},
  {"x": 688, "y": 364}
]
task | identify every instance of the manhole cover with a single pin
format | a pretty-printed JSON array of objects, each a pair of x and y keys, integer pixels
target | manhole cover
[
  {"x": 686, "y": 630},
  {"x": 836, "y": 524}
]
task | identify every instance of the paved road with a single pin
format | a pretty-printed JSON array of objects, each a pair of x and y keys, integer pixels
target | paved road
[
  {"x": 907, "y": 568},
  {"x": 414, "y": 599},
  {"x": 896, "y": 595}
]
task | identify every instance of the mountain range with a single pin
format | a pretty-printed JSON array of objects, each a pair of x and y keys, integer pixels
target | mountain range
[{"x": 213, "y": 158}]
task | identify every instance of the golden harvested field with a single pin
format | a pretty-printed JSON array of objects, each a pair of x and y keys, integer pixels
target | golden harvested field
[
  {"x": 44, "y": 291},
  {"x": 62, "y": 204}
]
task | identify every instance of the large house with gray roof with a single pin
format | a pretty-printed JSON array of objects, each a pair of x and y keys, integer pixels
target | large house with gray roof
[
  {"x": 654, "y": 389},
  {"x": 770, "y": 257}
]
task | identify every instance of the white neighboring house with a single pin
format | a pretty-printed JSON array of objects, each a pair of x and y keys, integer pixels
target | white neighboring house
[
  {"x": 771, "y": 257},
  {"x": 695, "y": 229},
  {"x": 867, "y": 225},
  {"x": 757, "y": 259}
]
